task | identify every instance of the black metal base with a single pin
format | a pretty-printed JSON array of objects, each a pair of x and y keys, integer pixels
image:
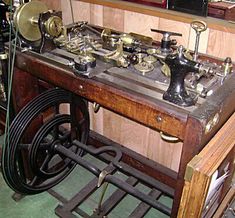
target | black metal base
[{"x": 149, "y": 200}]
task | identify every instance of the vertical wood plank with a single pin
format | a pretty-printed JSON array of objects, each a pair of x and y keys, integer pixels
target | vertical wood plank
[
  {"x": 113, "y": 18},
  {"x": 140, "y": 23},
  {"x": 66, "y": 11},
  {"x": 221, "y": 44},
  {"x": 81, "y": 11},
  {"x": 175, "y": 26},
  {"x": 96, "y": 14},
  {"x": 53, "y": 4},
  {"x": 96, "y": 120}
]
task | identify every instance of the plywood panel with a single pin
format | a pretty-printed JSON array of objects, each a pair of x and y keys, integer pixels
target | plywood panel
[
  {"x": 140, "y": 23},
  {"x": 81, "y": 11},
  {"x": 96, "y": 120},
  {"x": 66, "y": 11},
  {"x": 113, "y": 18},
  {"x": 53, "y": 4},
  {"x": 221, "y": 44},
  {"x": 175, "y": 26},
  {"x": 96, "y": 14}
]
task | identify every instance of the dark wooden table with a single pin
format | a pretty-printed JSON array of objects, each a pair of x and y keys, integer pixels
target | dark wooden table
[{"x": 188, "y": 124}]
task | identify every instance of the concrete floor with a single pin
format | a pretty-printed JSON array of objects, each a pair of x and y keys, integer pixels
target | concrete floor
[{"x": 43, "y": 205}]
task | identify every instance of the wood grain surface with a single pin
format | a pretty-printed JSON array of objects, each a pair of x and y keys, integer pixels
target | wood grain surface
[
  {"x": 53, "y": 4},
  {"x": 221, "y": 44},
  {"x": 96, "y": 14},
  {"x": 140, "y": 23},
  {"x": 113, "y": 18},
  {"x": 218, "y": 152}
]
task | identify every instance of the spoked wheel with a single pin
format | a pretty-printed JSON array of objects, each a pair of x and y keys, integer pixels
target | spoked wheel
[{"x": 46, "y": 167}]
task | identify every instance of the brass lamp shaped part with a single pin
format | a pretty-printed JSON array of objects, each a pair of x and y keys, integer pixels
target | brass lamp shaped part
[{"x": 26, "y": 20}]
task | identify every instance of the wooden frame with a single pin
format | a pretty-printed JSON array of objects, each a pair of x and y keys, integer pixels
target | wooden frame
[{"x": 219, "y": 152}]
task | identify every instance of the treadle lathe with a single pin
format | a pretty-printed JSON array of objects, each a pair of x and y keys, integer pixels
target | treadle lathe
[{"x": 185, "y": 96}]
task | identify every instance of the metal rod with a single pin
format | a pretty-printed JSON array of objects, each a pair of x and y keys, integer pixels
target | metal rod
[
  {"x": 68, "y": 153},
  {"x": 110, "y": 178},
  {"x": 105, "y": 186},
  {"x": 71, "y": 8},
  {"x": 196, "y": 46}
]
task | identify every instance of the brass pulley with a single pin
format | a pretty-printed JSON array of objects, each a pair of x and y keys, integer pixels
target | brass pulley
[{"x": 26, "y": 19}]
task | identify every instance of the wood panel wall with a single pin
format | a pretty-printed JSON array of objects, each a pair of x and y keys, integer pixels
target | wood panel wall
[{"x": 133, "y": 135}]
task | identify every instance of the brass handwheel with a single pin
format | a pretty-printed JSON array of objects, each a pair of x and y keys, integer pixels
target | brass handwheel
[{"x": 199, "y": 25}]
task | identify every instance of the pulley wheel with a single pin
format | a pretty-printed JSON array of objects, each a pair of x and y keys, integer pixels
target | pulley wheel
[
  {"x": 26, "y": 20},
  {"x": 46, "y": 167}
]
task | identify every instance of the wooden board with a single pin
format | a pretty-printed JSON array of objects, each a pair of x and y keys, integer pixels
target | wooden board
[{"x": 218, "y": 153}]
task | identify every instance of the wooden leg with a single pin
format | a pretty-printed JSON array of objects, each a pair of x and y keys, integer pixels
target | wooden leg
[{"x": 191, "y": 141}]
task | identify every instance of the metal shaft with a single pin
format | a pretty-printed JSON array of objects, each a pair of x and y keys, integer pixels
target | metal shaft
[
  {"x": 112, "y": 179},
  {"x": 195, "y": 56}
]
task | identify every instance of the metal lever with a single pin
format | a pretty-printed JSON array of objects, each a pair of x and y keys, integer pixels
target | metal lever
[
  {"x": 166, "y": 41},
  {"x": 199, "y": 27}
]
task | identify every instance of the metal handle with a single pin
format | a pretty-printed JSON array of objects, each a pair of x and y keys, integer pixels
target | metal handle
[
  {"x": 168, "y": 138},
  {"x": 166, "y": 32},
  {"x": 199, "y": 25}
]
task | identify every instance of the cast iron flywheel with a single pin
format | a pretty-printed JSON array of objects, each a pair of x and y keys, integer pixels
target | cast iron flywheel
[{"x": 45, "y": 167}]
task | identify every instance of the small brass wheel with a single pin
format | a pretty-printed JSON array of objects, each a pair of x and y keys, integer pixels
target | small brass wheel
[{"x": 199, "y": 26}]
